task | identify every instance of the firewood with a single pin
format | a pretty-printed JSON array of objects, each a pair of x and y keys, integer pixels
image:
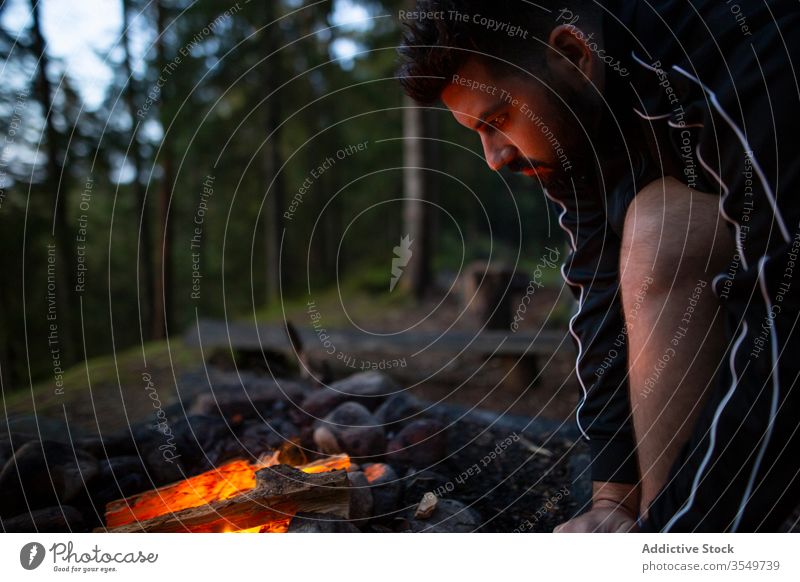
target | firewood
[{"x": 280, "y": 492}]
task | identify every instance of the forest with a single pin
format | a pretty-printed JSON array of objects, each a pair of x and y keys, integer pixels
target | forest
[{"x": 213, "y": 160}]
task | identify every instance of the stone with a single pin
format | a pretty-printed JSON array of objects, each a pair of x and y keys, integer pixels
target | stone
[
  {"x": 449, "y": 516},
  {"x": 111, "y": 445},
  {"x": 258, "y": 436},
  {"x": 361, "y": 503},
  {"x": 426, "y": 506},
  {"x": 357, "y": 432},
  {"x": 421, "y": 443},
  {"x": 22, "y": 428},
  {"x": 120, "y": 477},
  {"x": 417, "y": 483},
  {"x": 252, "y": 398},
  {"x": 367, "y": 388},
  {"x": 320, "y": 523},
  {"x": 387, "y": 489},
  {"x": 46, "y": 520},
  {"x": 192, "y": 445},
  {"x": 398, "y": 410},
  {"x": 326, "y": 441},
  {"x": 42, "y": 474}
]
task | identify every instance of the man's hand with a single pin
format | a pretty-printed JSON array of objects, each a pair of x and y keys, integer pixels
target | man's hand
[{"x": 614, "y": 509}]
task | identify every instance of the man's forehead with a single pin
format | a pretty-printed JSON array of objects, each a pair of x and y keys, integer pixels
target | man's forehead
[{"x": 471, "y": 92}]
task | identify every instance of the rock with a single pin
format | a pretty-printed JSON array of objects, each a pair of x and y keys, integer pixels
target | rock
[
  {"x": 44, "y": 473},
  {"x": 252, "y": 398},
  {"x": 361, "y": 504},
  {"x": 417, "y": 483},
  {"x": 22, "y": 428},
  {"x": 449, "y": 516},
  {"x": 367, "y": 388},
  {"x": 370, "y": 384},
  {"x": 320, "y": 523},
  {"x": 380, "y": 473},
  {"x": 121, "y": 466},
  {"x": 426, "y": 507},
  {"x": 387, "y": 488},
  {"x": 421, "y": 443},
  {"x": 258, "y": 437},
  {"x": 398, "y": 410},
  {"x": 119, "y": 477},
  {"x": 356, "y": 431},
  {"x": 326, "y": 441},
  {"x": 190, "y": 446},
  {"x": 6, "y": 448},
  {"x": 47, "y": 520},
  {"x": 117, "y": 444},
  {"x": 108, "y": 490},
  {"x": 321, "y": 402}
]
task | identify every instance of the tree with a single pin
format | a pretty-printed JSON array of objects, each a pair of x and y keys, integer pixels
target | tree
[
  {"x": 56, "y": 184},
  {"x": 416, "y": 207},
  {"x": 272, "y": 75},
  {"x": 162, "y": 311},
  {"x": 145, "y": 242}
]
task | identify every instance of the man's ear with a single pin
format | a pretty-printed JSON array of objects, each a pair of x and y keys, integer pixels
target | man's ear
[{"x": 569, "y": 57}]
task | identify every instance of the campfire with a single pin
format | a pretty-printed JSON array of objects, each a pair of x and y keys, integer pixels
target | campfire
[
  {"x": 238, "y": 497},
  {"x": 256, "y": 454}
]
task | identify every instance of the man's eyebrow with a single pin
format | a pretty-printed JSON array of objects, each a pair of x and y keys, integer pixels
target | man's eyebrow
[{"x": 487, "y": 114}]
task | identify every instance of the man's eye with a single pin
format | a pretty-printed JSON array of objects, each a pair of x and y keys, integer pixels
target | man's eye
[{"x": 499, "y": 120}]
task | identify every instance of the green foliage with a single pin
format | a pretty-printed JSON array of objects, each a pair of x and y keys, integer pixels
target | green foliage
[{"x": 206, "y": 112}]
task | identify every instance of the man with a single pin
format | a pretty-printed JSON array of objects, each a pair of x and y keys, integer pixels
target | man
[{"x": 664, "y": 133}]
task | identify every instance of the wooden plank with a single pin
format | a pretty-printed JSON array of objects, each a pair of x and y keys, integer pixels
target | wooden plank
[{"x": 245, "y": 336}]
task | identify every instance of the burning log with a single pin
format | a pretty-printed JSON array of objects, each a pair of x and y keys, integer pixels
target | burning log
[{"x": 279, "y": 493}]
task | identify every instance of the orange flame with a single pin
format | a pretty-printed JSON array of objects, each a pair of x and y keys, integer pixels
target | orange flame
[{"x": 228, "y": 480}]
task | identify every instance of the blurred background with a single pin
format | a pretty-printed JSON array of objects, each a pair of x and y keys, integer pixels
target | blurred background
[{"x": 168, "y": 164}]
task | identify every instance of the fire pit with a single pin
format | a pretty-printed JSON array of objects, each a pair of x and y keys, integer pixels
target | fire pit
[{"x": 249, "y": 453}]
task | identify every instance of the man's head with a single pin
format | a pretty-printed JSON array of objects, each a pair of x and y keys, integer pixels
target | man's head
[{"x": 524, "y": 75}]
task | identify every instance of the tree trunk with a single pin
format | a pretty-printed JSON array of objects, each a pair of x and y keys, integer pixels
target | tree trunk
[
  {"x": 162, "y": 312},
  {"x": 145, "y": 265},
  {"x": 56, "y": 184},
  {"x": 416, "y": 276},
  {"x": 272, "y": 157}
]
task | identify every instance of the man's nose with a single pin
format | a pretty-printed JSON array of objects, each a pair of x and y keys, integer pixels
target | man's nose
[{"x": 498, "y": 155}]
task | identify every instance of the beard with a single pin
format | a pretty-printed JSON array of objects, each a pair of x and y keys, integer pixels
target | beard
[{"x": 575, "y": 125}]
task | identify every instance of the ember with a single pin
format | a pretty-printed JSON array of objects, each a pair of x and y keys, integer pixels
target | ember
[{"x": 229, "y": 480}]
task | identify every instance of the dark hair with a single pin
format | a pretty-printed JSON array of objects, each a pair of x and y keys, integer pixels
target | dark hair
[{"x": 440, "y": 35}]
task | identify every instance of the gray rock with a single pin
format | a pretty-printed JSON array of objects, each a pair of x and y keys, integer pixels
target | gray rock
[
  {"x": 450, "y": 516},
  {"x": 387, "y": 488},
  {"x": 47, "y": 520},
  {"x": 361, "y": 503},
  {"x": 417, "y": 483},
  {"x": 421, "y": 443},
  {"x": 320, "y": 523},
  {"x": 27, "y": 427},
  {"x": 356, "y": 430},
  {"x": 193, "y": 445},
  {"x": 259, "y": 436},
  {"x": 253, "y": 398},
  {"x": 45, "y": 473},
  {"x": 398, "y": 410},
  {"x": 367, "y": 388},
  {"x": 326, "y": 441}
]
